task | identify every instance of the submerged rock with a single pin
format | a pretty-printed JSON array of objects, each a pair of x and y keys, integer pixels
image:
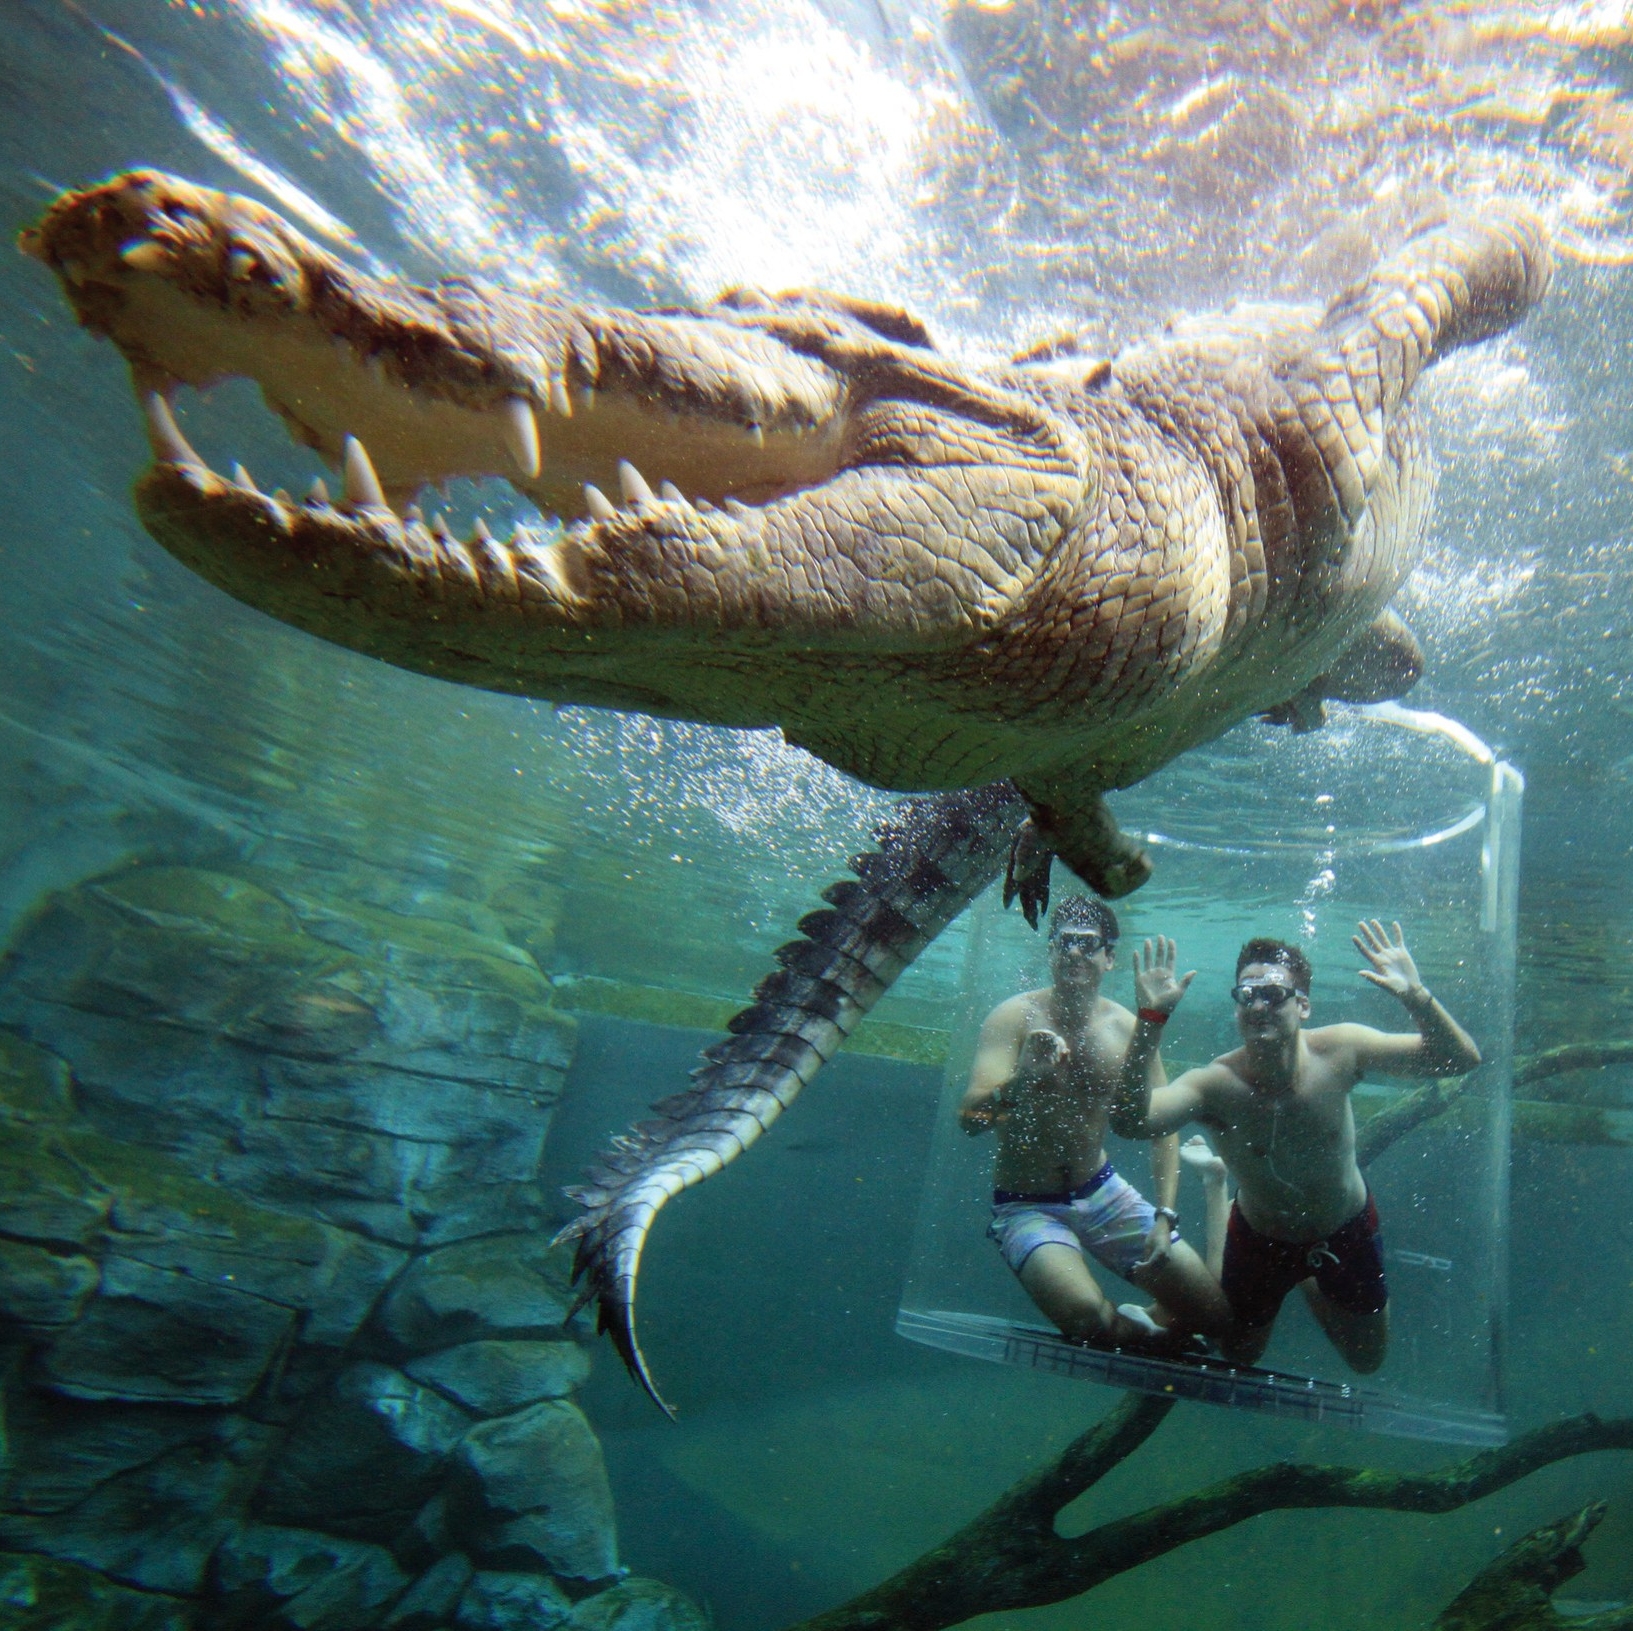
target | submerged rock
[
  {"x": 530, "y": 1491},
  {"x": 256, "y": 1144},
  {"x": 155, "y": 1335},
  {"x": 501, "y": 1601},
  {"x": 503, "y": 1286},
  {"x": 42, "y": 1287},
  {"x": 45, "y": 1594},
  {"x": 156, "y": 1525},
  {"x": 286, "y": 1579},
  {"x": 637, "y": 1604},
  {"x": 495, "y": 1378},
  {"x": 393, "y": 1073},
  {"x": 365, "y": 1458},
  {"x": 432, "y": 1599}
]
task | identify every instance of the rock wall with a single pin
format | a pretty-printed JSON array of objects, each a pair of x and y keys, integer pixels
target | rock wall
[{"x": 283, "y": 1343}]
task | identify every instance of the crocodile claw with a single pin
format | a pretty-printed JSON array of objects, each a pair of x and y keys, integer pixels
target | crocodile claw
[{"x": 1026, "y": 874}]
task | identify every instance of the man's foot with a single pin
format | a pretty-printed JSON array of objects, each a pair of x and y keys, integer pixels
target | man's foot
[
  {"x": 1197, "y": 1153},
  {"x": 1135, "y": 1324}
]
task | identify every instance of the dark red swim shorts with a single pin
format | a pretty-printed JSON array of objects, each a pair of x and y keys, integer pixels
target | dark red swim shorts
[{"x": 1348, "y": 1266}]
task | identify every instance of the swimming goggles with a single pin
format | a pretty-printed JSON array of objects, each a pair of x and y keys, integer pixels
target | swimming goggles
[
  {"x": 1272, "y": 993},
  {"x": 1086, "y": 942}
]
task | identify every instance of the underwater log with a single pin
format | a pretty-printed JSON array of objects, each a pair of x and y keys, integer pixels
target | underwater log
[
  {"x": 1512, "y": 1592},
  {"x": 1012, "y": 1557}
]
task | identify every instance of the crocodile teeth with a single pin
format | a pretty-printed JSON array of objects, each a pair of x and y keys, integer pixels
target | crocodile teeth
[
  {"x": 243, "y": 478},
  {"x": 363, "y": 490},
  {"x": 414, "y": 515},
  {"x": 144, "y": 255},
  {"x": 601, "y": 507},
  {"x": 633, "y": 484},
  {"x": 521, "y": 432},
  {"x": 168, "y": 444},
  {"x": 560, "y": 401},
  {"x": 756, "y": 434},
  {"x": 670, "y": 493},
  {"x": 318, "y": 492},
  {"x": 481, "y": 533}
]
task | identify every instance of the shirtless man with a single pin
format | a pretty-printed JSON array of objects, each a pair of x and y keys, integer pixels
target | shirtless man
[
  {"x": 1044, "y": 1075},
  {"x": 1279, "y": 1108}
]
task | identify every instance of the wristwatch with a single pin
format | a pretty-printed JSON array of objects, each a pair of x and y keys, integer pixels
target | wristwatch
[{"x": 1169, "y": 1213}]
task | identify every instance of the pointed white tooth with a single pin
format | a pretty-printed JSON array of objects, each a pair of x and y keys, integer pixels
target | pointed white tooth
[
  {"x": 362, "y": 489},
  {"x": 756, "y": 434},
  {"x": 481, "y": 533},
  {"x": 584, "y": 397},
  {"x": 168, "y": 444},
  {"x": 521, "y": 431},
  {"x": 145, "y": 255},
  {"x": 560, "y": 402},
  {"x": 318, "y": 492},
  {"x": 633, "y": 484},
  {"x": 243, "y": 478},
  {"x": 439, "y": 525},
  {"x": 670, "y": 493},
  {"x": 281, "y": 496},
  {"x": 601, "y": 507},
  {"x": 414, "y": 514}
]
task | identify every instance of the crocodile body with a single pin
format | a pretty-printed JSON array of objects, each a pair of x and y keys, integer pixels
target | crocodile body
[{"x": 1045, "y": 578}]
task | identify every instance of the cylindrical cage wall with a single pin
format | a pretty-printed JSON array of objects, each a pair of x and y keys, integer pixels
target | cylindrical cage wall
[{"x": 1387, "y": 814}]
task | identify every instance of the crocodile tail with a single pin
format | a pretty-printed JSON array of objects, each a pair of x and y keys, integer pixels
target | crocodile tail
[{"x": 935, "y": 856}]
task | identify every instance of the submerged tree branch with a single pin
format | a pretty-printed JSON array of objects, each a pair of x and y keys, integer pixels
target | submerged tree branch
[
  {"x": 1012, "y": 1557},
  {"x": 1513, "y": 1592},
  {"x": 1539, "y": 1067},
  {"x": 1410, "y": 1111},
  {"x": 1556, "y": 1115}
]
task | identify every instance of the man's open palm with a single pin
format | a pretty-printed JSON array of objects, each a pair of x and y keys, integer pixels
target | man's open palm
[
  {"x": 1392, "y": 965},
  {"x": 1156, "y": 985}
]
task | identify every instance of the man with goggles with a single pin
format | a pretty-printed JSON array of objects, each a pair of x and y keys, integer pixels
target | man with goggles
[
  {"x": 1045, "y": 1071},
  {"x": 1279, "y": 1108}
]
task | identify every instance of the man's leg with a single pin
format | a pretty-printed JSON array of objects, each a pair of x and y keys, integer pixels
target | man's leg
[
  {"x": 1363, "y": 1339},
  {"x": 1349, "y": 1295},
  {"x": 1255, "y": 1274},
  {"x": 1058, "y": 1281},
  {"x": 1198, "y": 1155},
  {"x": 1183, "y": 1285}
]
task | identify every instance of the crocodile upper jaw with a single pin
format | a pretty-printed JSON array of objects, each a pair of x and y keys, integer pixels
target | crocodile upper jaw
[{"x": 196, "y": 286}]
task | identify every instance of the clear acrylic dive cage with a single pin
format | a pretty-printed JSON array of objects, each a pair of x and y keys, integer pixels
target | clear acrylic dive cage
[{"x": 1387, "y": 813}]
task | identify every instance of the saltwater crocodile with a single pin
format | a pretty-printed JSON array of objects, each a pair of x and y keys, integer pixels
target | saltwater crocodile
[{"x": 1015, "y": 586}]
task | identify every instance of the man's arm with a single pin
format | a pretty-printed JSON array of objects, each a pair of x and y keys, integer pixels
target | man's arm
[
  {"x": 997, "y": 1052},
  {"x": 1165, "y": 1170},
  {"x": 1009, "y": 1058},
  {"x": 1440, "y": 1047},
  {"x": 1141, "y": 1108},
  {"x": 1164, "y": 1181}
]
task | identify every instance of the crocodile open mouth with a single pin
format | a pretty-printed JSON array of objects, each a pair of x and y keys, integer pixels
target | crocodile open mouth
[{"x": 399, "y": 387}]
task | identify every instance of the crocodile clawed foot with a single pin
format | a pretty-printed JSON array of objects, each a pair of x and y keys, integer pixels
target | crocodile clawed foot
[
  {"x": 1026, "y": 874},
  {"x": 1085, "y": 835}
]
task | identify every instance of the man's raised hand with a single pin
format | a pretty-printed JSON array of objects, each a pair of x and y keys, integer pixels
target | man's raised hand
[
  {"x": 1155, "y": 984},
  {"x": 1392, "y": 965}
]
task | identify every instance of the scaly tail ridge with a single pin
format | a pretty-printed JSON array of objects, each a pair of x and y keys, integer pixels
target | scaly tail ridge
[{"x": 935, "y": 856}]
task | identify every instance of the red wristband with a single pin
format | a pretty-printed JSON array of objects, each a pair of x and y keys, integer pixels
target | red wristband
[{"x": 1153, "y": 1016}]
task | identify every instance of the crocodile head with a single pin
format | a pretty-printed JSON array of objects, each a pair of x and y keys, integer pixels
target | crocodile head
[{"x": 730, "y": 411}]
